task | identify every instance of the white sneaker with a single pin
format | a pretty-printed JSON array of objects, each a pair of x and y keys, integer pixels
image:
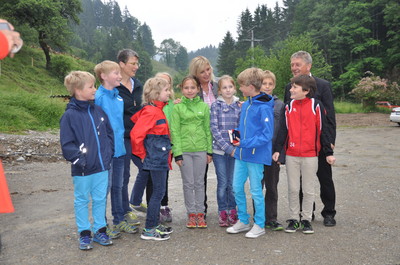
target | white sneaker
[
  {"x": 238, "y": 227},
  {"x": 256, "y": 231}
]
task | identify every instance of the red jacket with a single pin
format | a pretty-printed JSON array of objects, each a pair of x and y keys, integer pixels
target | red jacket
[
  {"x": 3, "y": 46},
  {"x": 304, "y": 130},
  {"x": 150, "y": 137}
]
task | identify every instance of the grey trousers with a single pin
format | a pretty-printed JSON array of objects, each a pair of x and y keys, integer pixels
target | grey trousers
[
  {"x": 306, "y": 167},
  {"x": 192, "y": 172}
]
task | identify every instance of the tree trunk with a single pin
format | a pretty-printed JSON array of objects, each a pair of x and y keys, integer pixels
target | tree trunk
[{"x": 45, "y": 48}]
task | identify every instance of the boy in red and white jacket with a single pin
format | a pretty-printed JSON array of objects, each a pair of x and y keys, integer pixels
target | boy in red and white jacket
[{"x": 303, "y": 133}]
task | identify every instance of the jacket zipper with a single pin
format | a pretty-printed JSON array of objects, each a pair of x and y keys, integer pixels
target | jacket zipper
[{"x": 96, "y": 134}]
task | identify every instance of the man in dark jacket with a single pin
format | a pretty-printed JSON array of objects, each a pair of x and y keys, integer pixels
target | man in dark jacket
[{"x": 300, "y": 64}]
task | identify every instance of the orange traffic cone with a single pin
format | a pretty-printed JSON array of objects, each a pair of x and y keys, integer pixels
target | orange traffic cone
[{"x": 6, "y": 205}]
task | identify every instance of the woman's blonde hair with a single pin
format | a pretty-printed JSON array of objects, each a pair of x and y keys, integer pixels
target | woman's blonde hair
[
  {"x": 198, "y": 64},
  {"x": 170, "y": 81},
  {"x": 77, "y": 80},
  {"x": 105, "y": 67},
  {"x": 225, "y": 77},
  {"x": 152, "y": 89}
]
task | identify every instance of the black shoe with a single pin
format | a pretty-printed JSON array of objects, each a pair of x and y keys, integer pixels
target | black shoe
[
  {"x": 329, "y": 221},
  {"x": 292, "y": 226},
  {"x": 307, "y": 228}
]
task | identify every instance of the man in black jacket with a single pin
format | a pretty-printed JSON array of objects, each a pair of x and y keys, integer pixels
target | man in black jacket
[{"x": 300, "y": 64}]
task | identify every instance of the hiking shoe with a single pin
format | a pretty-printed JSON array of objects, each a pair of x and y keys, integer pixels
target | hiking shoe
[
  {"x": 140, "y": 208},
  {"x": 85, "y": 240},
  {"x": 165, "y": 214},
  {"x": 274, "y": 226},
  {"x": 126, "y": 227},
  {"x": 292, "y": 226},
  {"x": 201, "y": 221},
  {"x": 306, "y": 226},
  {"x": 132, "y": 218},
  {"x": 153, "y": 234},
  {"x": 191, "y": 223},
  {"x": 232, "y": 217},
  {"x": 255, "y": 231},
  {"x": 113, "y": 232},
  {"x": 164, "y": 229},
  {"x": 102, "y": 238},
  {"x": 329, "y": 221},
  {"x": 238, "y": 227},
  {"x": 223, "y": 219}
]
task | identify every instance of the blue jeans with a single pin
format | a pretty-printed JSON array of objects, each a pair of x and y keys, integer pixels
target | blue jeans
[
  {"x": 117, "y": 181},
  {"x": 224, "y": 166},
  {"x": 159, "y": 178},
  {"x": 94, "y": 186},
  {"x": 127, "y": 167},
  {"x": 140, "y": 183},
  {"x": 254, "y": 172}
]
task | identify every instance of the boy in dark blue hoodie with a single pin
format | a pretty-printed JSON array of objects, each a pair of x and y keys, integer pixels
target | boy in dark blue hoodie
[
  {"x": 87, "y": 141},
  {"x": 254, "y": 150}
]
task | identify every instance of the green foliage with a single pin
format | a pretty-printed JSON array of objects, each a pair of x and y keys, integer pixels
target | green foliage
[
  {"x": 61, "y": 66},
  {"x": 374, "y": 88}
]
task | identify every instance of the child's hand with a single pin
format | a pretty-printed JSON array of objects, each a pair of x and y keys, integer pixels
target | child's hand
[
  {"x": 330, "y": 160},
  {"x": 177, "y": 101},
  {"x": 179, "y": 163},
  {"x": 233, "y": 152},
  {"x": 209, "y": 159},
  {"x": 275, "y": 156}
]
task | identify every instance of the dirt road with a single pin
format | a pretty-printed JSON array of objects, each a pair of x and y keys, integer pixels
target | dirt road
[{"x": 42, "y": 230}]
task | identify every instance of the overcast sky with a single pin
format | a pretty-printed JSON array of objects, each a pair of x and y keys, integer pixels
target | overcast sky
[{"x": 195, "y": 24}]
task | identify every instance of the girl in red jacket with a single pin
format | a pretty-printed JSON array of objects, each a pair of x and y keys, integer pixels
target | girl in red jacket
[
  {"x": 304, "y": 133},
  {"x": 151, "y": 143}
]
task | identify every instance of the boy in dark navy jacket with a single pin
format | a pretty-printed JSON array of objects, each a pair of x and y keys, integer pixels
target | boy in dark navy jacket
[{"x": 87, "y": 141}]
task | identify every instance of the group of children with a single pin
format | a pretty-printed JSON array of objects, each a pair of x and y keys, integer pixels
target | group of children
[{"x": 245, "y": 140}]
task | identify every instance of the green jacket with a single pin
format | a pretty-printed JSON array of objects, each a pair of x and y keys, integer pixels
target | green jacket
[{"x": 190, "y": 127}]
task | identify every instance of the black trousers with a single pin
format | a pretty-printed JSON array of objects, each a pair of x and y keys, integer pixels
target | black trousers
[{"x": 270, "y": 180}]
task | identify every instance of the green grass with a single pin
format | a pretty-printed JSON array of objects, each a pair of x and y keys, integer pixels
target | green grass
[
  {"x": 348, "y": 107},
  {"x": 25, "y": 90}
]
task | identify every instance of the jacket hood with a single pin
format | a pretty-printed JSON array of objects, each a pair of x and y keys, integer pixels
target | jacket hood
[
  {"x": 114, "y": 92},
  {"x": 78, "y": 104},
  {"x": 234, "y": 99},
  {"x": 261, "y": 98}
]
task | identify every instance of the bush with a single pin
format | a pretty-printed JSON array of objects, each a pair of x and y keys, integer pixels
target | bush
[{"x": 61, "y": 65}]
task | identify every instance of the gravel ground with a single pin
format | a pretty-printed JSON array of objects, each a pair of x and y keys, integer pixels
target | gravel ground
[{"x": 42, "y": 229}]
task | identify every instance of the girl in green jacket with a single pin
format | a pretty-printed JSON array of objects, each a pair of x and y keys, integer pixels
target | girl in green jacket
[{"x": 192, "y": 148}]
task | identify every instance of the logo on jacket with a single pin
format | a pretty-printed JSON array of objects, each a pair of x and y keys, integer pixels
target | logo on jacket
[
  {"x": 266, "y": 119},
  {"x": 291, "y": 144}
]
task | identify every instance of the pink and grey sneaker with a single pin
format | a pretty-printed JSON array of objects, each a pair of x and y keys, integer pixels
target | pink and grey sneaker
[
  {"x": 165, "y": 214},
  {"x": 223, "y": 219},
  {"x": 232, "y": 217}
]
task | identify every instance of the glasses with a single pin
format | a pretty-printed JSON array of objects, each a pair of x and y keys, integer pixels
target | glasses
[{"x": 135, "y": 64}]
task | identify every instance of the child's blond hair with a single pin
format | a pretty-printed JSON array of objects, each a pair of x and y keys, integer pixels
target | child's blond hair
[
  {"x": 77, "y": 80},
  {"x": 269, "y": 74},
  {"x": 170, "y": 81},
  {"x": 225, "y": 77},
  {"x": 152, "y": 89},
  {"x": 105, "y": 67},
  {"x": 251, "y": 76}
]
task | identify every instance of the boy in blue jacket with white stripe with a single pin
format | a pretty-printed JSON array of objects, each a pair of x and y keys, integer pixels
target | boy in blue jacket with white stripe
[
  {"x": 254, "y": 150},
  {"x": 87, "y": 141}
]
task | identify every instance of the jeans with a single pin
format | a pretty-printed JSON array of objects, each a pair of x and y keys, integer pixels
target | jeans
[
  {"x": 153, "y": 209},
  {"x": 140, "y": 183},
  {"x": 94, "y": 186},
  {"x": 117, "y": 180},
  {"x": 254, "y": 172},
  {"x": 224, "y": 166},
  {"x": 127, "y": 174}
]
